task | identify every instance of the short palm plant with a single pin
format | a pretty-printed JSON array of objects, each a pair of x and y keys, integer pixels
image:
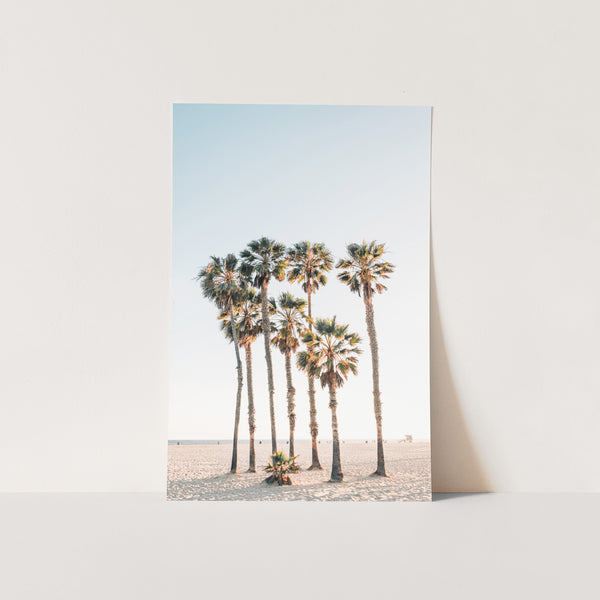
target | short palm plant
[
  {"x": 222, "y": 282},
  {"x": 290, "y": 323},
  {"x": 248, "y": 322},
  {"x": 279, "y": 467},
  {"x": 363, "y": 272},
  {"x": 262, "y": 260},
  {"x": 308, "y": 264},
  {"x": 331, "y": 355}
]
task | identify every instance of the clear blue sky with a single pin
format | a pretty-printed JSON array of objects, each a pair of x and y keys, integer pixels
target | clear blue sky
[{"x": 331, "y": 174}]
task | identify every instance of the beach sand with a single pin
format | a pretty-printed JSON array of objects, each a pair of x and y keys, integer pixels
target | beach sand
[{"x": 200, "y": 472}]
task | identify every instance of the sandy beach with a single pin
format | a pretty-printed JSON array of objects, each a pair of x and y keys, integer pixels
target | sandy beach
[{"x": 200, "y": 472}]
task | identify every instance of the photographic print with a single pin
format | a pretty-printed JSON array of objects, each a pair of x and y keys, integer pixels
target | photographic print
[{"x": 300, "y": 303}]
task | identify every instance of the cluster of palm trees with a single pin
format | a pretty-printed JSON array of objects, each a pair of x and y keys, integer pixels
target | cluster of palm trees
[{"x": 239, "y": 286}]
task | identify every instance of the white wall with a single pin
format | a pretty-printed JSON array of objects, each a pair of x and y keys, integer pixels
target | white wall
[{"x": 85, "y": 222}]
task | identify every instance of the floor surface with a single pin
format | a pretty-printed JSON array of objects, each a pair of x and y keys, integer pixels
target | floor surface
[{"x": 138, "y": 546}]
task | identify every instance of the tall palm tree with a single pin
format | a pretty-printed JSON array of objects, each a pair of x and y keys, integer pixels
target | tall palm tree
[
  {"x": 262, "y": 260},
  {"x": 363, "y": 272},
  {"x": 331, "y": 355},
  {"x": 249, "y": 326},
  {"x": 308, "y": 265},
  {"x": 290, "y": 324},
  {"x": 223, "y": 283}
]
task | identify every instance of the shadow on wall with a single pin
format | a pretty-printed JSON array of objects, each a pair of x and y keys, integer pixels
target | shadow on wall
[{"x": 455, "y": 466}]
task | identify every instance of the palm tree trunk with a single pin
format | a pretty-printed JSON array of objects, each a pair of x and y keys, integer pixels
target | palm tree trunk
[
  {"x": 314, "y": 426},
  {"x": 266, "y": 325},
  {"x": 291, "y": 397},
  {"x": 336, "y": 462},
  {"x": 370, "y": 317},
  {"x": 251, "y": 410},
  {"x": 238, "y": 400}
]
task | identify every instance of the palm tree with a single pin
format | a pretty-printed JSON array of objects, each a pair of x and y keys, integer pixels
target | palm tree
[
  {"x": 223, "y": 283},
  {"x": 363, "y": 272},
  {"x": 331, "y": 356},
  {"x": 308, "y": 265},
  {"x": 290, "y": 324},
  {"x": 249, "y": 326},
  {"x": 279, "y": 468},
  {"x": 262, "y": 260}
]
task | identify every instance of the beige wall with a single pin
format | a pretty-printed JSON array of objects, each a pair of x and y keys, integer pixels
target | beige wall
[{"x": 85, "y": 231}]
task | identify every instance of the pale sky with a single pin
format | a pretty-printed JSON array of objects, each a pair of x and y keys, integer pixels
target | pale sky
[{"x": 331, "y": 174}]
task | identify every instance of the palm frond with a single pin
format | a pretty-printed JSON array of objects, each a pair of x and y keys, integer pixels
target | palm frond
[
  {"x": 362, "y": 271},
  {"x": 262, "y": 260},
  {"x": 290, "y": 322},
  {"x": 308, "y": 263},
  {"x": 222, "y": 282},
  {"x": 331, "y": 352}
]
